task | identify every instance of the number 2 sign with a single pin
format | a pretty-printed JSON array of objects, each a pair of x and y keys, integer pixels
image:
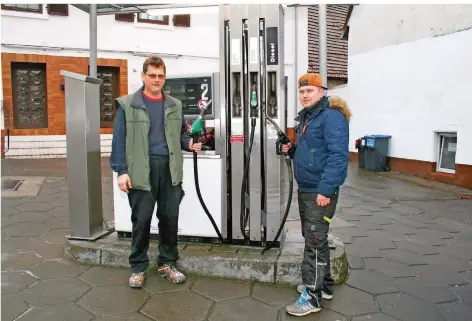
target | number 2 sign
[{"x": 204, "y": 87}]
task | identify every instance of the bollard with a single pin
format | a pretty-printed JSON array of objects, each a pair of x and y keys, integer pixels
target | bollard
[{"x": 84, "y": 157}]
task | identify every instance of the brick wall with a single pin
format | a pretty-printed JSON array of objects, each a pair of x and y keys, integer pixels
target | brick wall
[{"x": 55, "y": 96}]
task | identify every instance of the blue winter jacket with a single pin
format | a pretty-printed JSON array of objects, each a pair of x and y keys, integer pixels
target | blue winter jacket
[{"x": 320, "y": 155}]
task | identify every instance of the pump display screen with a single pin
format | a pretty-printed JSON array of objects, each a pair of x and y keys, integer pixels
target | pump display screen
[{"x": 190, "y": 90}]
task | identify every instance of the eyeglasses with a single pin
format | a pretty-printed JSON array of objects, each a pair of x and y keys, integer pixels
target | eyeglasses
[{"x": 154, "y": 76}]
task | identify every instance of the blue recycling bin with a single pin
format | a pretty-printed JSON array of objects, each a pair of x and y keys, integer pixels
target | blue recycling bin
[{"x": 375, "y": 153}]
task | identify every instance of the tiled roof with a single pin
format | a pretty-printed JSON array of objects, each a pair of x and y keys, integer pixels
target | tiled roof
[{"x": 337, "y": 48}]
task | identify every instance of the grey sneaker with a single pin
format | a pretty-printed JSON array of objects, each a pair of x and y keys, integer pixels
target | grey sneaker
[
  {"x": 171, "y": 273},
  {"x": 302, "y": 306},
  {"x": 326, "y": 296},
  {"x": 136, "y": 280}
]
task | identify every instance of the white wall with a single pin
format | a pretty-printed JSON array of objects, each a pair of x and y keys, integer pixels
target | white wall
[
  {"x": 410, "y": 91},
  {"x": 197, "y": 48},
  {"x": 378, "y": 25}
]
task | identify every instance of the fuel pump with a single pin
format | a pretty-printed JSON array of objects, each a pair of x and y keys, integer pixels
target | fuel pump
[{"x": 251, "y": 96}]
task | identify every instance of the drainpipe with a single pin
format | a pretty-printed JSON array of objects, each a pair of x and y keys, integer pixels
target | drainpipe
[
  {"x": 322, "y": 36},
  {"x": 93, "y": 41},
  {"x": 295, "y": 105}
]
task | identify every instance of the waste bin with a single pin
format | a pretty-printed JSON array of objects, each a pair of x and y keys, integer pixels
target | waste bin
[
  {"x": 360, "y": 146},
  {"x": 376, "y": 150}
]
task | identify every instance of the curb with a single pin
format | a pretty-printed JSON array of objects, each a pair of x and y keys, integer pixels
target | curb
[{"x": 231, "y": 262}]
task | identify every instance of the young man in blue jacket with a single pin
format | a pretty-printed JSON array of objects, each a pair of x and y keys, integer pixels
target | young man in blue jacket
[{"x": 320, "y": 158}]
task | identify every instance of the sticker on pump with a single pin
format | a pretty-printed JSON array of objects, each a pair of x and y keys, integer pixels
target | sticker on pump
[
  {"x": 202, "y": 104},
  {"x": 237, "y": 139}
]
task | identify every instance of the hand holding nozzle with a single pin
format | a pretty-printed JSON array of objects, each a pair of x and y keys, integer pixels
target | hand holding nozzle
[
  {"x": 282, "y": 144},
  {"x": 286, "y": 147}
]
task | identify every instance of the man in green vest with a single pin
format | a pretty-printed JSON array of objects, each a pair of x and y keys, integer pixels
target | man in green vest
[{"x": 148, "y": 138}]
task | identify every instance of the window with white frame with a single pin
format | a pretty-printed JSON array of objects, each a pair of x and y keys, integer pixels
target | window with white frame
[{"x": 447, "y": 146}]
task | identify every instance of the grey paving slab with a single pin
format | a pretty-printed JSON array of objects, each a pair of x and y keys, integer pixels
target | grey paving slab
[
  {"x": 363, "y": 251},
  {"x": 25, "y": 229},
  {"x": 55, "y": 236},
  {"x": 216, "y": 290},
  {"x": 135, "y": 316},
  {"x": 456, "y": 311},
  {"x": 455, "y": 248},
  {"x": 444, "y": 261},
  {"x": 355, "y": 263},
  {"x": 54, "y": 291},
  {"x": 15, "y": 282},
  {"x": 57, "y": 269},
  {"x": 371, "y": 282},
  {"x": 464, "y": 292},
  {"x": 423, "y": 289},
  {"x": 374, "y": 242},
  {"x": 19, "y": 261},
  {"x": 12, "y": 307},
  {"x": 35, "y": 206},
  {"x": 104, "y": 276},
  {"x": 324, "y": 315},
  {"x": 374, "y": 317},
  {"x": 352, "y": 302},
  {"x": 57, "y": 312},
  {"x": 113, "y": 300},
  {"x": 245, "y": 309},
  {"x": 467, "y": 276},
  {"x": 417, "y": 248},
  {"x": 408, "y": 308},
  {"x": 274, "y": 296},
  {"x": 438, "y": 276},
  {"x": 58, "y": 222},
  {"x": 404, "y": 257},
  {"x": 32, "y": 217},
  {"x": 177, "y": 306},
  {"x": 388, "y": 267}
]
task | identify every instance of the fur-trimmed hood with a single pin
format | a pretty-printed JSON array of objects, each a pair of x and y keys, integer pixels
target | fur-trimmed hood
[{"x": 341, "y": 104}]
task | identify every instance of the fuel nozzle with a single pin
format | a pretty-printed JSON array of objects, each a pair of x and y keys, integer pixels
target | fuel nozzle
[
  {"x": 282, "y": 138},
  {"x": 197, "y": 126},
  {"x": 253, "y": 102}
]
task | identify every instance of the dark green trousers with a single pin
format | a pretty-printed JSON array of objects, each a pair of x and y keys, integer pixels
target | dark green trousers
[
  {"x": 142, "y": 204},
  {"x": 316, "y": 267}
]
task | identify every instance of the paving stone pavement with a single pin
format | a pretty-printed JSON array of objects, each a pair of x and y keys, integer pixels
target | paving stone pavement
[{"x": 409, "y": 261}]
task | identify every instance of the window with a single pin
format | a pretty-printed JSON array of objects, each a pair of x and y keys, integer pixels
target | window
[
  {"x": 58, "y": 9},
  {"x": 29, "y": 95},
  {"x": 36, "y": 8},
  {"x": 447, "y": 153},
  {"x": 108, "y": 94},
  {"x": 160, "y": 20},
  {"x": 182, "y": 20},
  {"x": 127, "y": 17}
]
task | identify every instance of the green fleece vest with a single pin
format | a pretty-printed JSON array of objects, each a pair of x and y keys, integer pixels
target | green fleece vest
[{"x": 137, "y": 144}]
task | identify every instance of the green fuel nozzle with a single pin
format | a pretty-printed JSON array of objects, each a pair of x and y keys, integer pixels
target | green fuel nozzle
[
  {"x": 197, "y": 125},
  {"x": 253, "y": 102}
]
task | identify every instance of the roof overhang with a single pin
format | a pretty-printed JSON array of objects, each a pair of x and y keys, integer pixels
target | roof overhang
[{"x": 108, "y": 9}]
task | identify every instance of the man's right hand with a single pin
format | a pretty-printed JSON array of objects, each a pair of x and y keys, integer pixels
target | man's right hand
[
  {"x": 285, "y": 148},
  {"x": 124, "y": 182}
]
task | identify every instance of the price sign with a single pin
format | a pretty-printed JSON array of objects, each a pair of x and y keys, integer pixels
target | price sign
[{"x": 192, "y": 91}]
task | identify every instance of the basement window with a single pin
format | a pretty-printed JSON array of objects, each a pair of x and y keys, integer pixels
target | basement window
[{"x": 447, "y": 146}]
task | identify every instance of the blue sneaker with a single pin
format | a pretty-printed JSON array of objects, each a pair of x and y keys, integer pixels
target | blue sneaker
[{"x": 303, "y": 306}]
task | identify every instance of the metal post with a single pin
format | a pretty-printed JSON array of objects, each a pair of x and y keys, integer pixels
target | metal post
[
  {"x": 93, "y": 41},
  {"x": 323, "y": 44},
  {"x": 84, "y": 157}
]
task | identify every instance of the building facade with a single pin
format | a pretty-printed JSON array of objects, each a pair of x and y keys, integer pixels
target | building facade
[
  {"x": 188, "y": 43},
  {"x": 409, "y": 77}
]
